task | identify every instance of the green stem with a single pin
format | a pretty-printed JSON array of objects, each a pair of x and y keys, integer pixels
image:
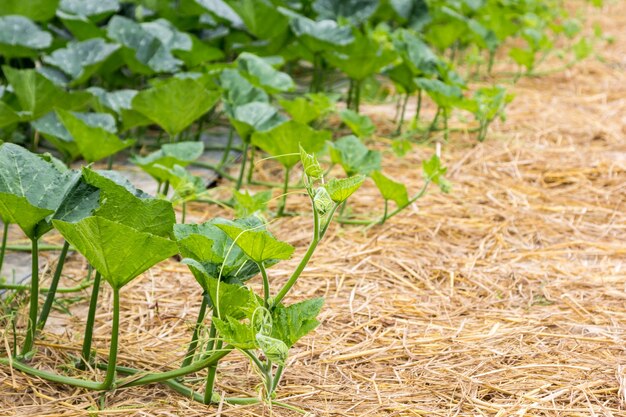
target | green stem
[
  {"x": 110, "y": 162},
  {"x": 194, "y": 337},
  {"x": 357, "y": 96},
  {"x": 402, "y": 112},
  {"x": 433, "y": 124},
  {"x": 419, "y": 106},
  {"x": 115, "y": 330},
  {"x": 349, "y": 98},
  {"x": 384, "y": 218},
  {"x": 266, "y": 284},
  {"x": 277, "y": 376},
  {"x": 166, "y": 188},
  {"x": 47, "y": 305},
  {"x": 3, "y": 248},
  {"x": 242, "y": 169},
  {"x": 251, "y": 167},
  {"x": 184, "y": 215},
  {"x": 52, "y": 377},
  {"x": 199, "y": 129},
  {"x": 446, "y": 133},
  {"x": 34, "y": 300},
  {"x": 152, "y": 378},
  {"x": 210, "y": 380},
  {"x": 229, "y": 144},
  {"x": 91, "y": 318},
  {"x": 18, "y": 287},
  {"x": 305, "y": 259},
  {"x": 283, "y": 199}
]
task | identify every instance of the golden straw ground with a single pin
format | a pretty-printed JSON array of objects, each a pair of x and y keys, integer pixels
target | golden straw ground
[{"x": 506, "y": 297}]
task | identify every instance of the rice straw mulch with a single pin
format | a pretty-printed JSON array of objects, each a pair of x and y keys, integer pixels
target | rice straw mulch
[{"x": 506, "y": 297}]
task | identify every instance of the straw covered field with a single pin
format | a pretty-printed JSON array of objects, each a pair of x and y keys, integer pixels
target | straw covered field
[{"x": 505, "y": 297}]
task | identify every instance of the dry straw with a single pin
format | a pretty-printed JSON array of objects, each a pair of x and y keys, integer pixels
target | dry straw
[{"x": 506, "y": 297}]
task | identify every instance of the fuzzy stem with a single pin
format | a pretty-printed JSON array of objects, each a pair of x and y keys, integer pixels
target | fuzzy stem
[
  {"x": 4, "y": 244},
  {"x": 402, "y": 112},
  {"x": 91, "y": 318},
  {"x": 115, "y": 330},
  {"x": 266, "y": 284},
  {"x": 283, "y": 199},
  {"x": 242, "y": 169},
  {"x": 194, "y": 337},
  {"x": 251, "y": 167},
  {"x": 419, "y": 106},
  {"x": 34, "y": 300},
  {"x": 47, "y": 305}
]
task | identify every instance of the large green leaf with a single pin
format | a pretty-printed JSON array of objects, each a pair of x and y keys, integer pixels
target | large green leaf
[
  {"x": 445, "y": 95},
  {"x": 143, "y": 52},
  {"x": 175, "y": 103},
  {"x": 360, "y": 124},
  {"x": 31, "y": 188},
  {"x": 305, "y": 109},
  {"x": 158, "y": 163},
  {"x": 37, "y": 10},
  {"x": 390, "y": 189},
  {"x": 238, "y": 91},
  {"x": 340, "y": 190},
  {"x": 260, "y": 18},
  {"x": 81, "y": 60},
  {"x": 8, "y": 116},
  {"x": 292, "y": 323},
  {"x": 354, "y": 156},
  {"x": 221, "y": 10},
  {"x": 119, "y": 252},
  {"x": 94, "y": 9},
  {"x": 364, "y": 57},
  {"x": 258, "y": 244},
  {"x": 320, "y": 35},
  {"x": 284, "y": 141},
  {"x": 171, "y": 38},
  {"x": 122, "y": 203},
  {"x": 263, "y": 74},
  {"x": 53, "y": 130},
  {"x": 255, "y": 117},
  {"x": 94, "y": 142},
  {"x": 356, "y": 11},
  {"x": 120, "y": 102},
  {"x": 20, "y": 37},
  {"x": 415, "y": 53},
  {"x": 37, "y": 95}
]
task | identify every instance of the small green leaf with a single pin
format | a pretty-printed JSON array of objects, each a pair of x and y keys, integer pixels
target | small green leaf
[
  {"x": 263, "y": 74},
  {"x": 341, "y": 189},
  {"x": 285, "y": 141},
  {"x": 292, "y": 323},
  {"x": 250, "y": 205},
  {"x": 390, "y": 189},
  {"x": 237, "y": 90},
  {"x": 235, "y": 333},
  {"x": 434, "y": 171},
  {"x": 259, "y": 245},
  {"x": 20, "y": 37},
  {"x": 175, "y": 103},
  {"x": 159, "y": 163},
  {"x": 320, "y": 35},
  {"x": 94, "y": 142},
  {"x": 445, "y": 95},
  {"x": 305, "y": 109},
  {"x": 119, "y": 252},
  {"x": 322, "y": 200},
  {"x": 354, "y": 156},
  {"x": 255, "y": 117},
  {"x": 312, "y": 167},
  {"x": 360, "y": 124},
  {"x": 274, "y": 349}
]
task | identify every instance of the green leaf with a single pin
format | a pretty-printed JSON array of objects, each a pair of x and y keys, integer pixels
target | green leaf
[
  {"x": 274, "y": 349},
  {"x": 175, "y": 104},
  {"x": 122, "y": 203},
  {"x": 31, "y": 189},
  {"x": 263, "y": 74},
  {"x": 255, "y": 117},
  {"x": 354, "y": 156},
  {"x": 20, "y": 37},
  {"x": 285, "y": 140},
  {"x": 37, "y": 10},
  {"x": 305, "y": 109},
  {"x": 418, "y": 58},
  {"x": 258, "y": 244},
  {"x": 445, "y": 95},
  {"x": 143, "y": 52},
  {"x": 81, "y": 60},
  {"x": 119, "y": 252},
  {"x": 94, "y": 9},
  {"x": 120, "y": 102},
  {"x": 320, "y": 35},
  {"x": 341, "y": 189},
  {"x": 260, "y": 18},
  {"x": 365, "y": 57},
  {"x": 37, "y": 95},
  {"x": 312, "y": 167},
  {"x": 434, "y": 171},
  {"x": 8, "y": 116},
  {"x": 390, "y": 189},
  {"x": 200, "y": 53},
  {"x": 360, "y": 124},
  {"x": 82, "y": 27},
  {"x": 249, "y": 205},
  {"x": 214, "y": 249},
  {"x": 238, "y": 90},
  {"x": 322, "y": 201},
  {"x": 159, "y": 163},
  {"x": 94, "y": 142},
  {"x": 292, "y": 323},
  {"x": 235, "y": 333},
  {"x": 356, "y": 11}
]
